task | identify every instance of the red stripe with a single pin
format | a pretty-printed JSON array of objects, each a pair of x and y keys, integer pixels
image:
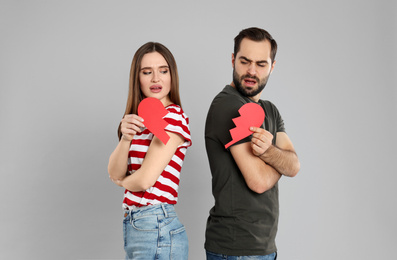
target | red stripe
[
  {"x": 137, "y": 154},
  {"x": 170, "y": 177},
  {"x": 133, "y": 167},
  {"x": 173, "y": 110},
  {"x": 175, "y": 165},
  {"x": 150, "y": 196},
  {"x": 180, "y": 154},
  {"x": 174, "y": 122},
  {"x": 165, "y": 188},
  {"x": 145, "y": 142},
  {"x": 163, "y": 199},
  {"x": 144, "y": 132},
  {"x": 137, "y": 193},
  {"x": 130, "y": 202}
]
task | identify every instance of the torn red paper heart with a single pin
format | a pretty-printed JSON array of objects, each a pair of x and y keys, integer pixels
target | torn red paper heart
[
  {"x": 152, "y": 111},
  {"x": 252, "y": 114}
]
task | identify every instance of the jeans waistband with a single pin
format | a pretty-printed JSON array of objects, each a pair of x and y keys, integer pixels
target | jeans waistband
[{"x": 159, "y": 209}]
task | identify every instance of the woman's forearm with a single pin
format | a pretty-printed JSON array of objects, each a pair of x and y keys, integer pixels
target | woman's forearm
[
  {"x": 157, "y": 158},
  {"x": 118, "y": 161}
]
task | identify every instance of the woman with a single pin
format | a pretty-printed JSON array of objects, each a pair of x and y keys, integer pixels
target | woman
[{"x": 145, "y": 167}]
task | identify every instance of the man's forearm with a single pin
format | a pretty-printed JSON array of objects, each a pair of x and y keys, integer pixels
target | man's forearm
[{"x": 284, "y": 161}]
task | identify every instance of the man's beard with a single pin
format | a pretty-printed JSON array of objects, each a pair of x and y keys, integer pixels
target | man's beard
[{"x": 245, "y": 92}]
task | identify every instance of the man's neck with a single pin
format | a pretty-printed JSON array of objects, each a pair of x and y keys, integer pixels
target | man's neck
[{"x": 254, "y": 98}]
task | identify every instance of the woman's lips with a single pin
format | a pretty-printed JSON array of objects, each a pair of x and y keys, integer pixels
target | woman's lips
[{"x": 156, "y": 88}]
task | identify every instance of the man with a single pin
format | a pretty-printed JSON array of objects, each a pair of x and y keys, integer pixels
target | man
[{"x": 244, "y": 220}]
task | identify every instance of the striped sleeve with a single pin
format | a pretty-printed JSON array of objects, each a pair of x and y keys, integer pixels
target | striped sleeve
[{"x": 178, "y": 122}]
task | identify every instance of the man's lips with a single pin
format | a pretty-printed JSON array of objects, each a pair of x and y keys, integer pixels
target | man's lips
[
  {"x": 249, "y": 82},
  {"x": 156, "y": 88}
]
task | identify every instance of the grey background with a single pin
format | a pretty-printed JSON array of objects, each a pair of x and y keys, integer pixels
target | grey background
[{"x": 64, "y": 68}]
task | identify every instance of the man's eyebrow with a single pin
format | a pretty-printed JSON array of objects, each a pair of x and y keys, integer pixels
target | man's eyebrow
[
  {"x": 262, "y": 61},
  {"x": 245, "y": 58},
  {"x": 259, "y": 61}
]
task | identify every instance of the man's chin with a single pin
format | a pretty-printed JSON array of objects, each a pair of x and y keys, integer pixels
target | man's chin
[
  {"x": 249, "y": 91},
  {"x": 246, "y": 93},
  {"x": 251, "y": 87}
]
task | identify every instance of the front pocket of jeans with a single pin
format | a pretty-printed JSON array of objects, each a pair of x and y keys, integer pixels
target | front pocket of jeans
[
  {"x": 178, "y": 230},
  {"x": 146, "y": 223},
  {"x": 163, "y": 222},
  {"x": 179, "y": 244}
]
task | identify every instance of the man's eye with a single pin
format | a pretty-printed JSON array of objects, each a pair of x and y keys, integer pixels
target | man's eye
[{"x": 244, "y": 62}]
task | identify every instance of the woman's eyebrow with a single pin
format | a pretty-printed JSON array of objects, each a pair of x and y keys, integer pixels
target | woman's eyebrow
[{"x": 160, "y": 67}]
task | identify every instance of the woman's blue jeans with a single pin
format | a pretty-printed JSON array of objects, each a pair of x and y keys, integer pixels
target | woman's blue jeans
[
  {"x": 214, "y": 256},
  {"x": 154, "y": 232}
]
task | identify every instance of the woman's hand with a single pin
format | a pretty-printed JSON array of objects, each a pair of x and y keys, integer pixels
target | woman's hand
[
  {"x": 118, "y": 161},
  {"x": 130, "y": 125}
]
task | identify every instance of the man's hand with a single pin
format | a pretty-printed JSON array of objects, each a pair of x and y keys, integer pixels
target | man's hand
[{"x": 261, "y": 140}]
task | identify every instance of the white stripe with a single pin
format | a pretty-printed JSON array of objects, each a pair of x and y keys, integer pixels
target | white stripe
[
  {"x": 175, "y": 158},
  {"x": 168, "y": 182},
  {"x": 155, "y": 202},
  {"x": 136, "y": 160},
  {"x": 139, "y": 148},
  {"x": 156, "y": 191},
  {"x": 160, "y": 193},
  {"x": 175, "y": 116},
  {"x": 132, "y": 197},
  {"x": 148, "y": 136},
  {"x": 177, "y": 108},
  {"x": 178, "y": 117},
  {"x": 173, "y": 171},
  {"x": 178, "y": 129},
  {"x": 145, "y": 201}
]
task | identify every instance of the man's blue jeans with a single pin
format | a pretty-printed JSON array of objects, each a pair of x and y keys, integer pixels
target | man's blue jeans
[{"x": 214, "y": 256}]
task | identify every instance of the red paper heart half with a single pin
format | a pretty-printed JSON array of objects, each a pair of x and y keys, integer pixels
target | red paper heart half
[
  {"x": 252, "y": 114},
  {"x": 152, "y": 111}
]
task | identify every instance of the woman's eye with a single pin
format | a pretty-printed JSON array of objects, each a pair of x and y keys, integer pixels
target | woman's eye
[
  {"x": 146, "y": 72},
  {"x": 164, "y": 71}
]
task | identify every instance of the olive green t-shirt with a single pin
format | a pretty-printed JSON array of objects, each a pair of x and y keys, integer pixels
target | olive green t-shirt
[{"x": 242, "y": 222}]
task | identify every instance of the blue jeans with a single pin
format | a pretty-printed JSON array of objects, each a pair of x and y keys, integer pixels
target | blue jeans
[
  {"x": 154, "y": 232},
  {"x": 214, "y": 256}
]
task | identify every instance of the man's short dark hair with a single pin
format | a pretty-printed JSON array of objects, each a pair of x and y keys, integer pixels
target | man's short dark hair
[{"x": 255, "y": 34}]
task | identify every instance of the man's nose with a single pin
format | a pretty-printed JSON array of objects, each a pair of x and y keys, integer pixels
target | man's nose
[{"x": 252, "y": 69}]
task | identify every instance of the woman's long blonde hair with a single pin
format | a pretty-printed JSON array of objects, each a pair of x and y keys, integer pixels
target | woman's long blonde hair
[{"x": 135, "y": 95}]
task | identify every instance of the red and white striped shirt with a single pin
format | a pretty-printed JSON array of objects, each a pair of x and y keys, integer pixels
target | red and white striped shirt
[{"x": 165, "y": 190}]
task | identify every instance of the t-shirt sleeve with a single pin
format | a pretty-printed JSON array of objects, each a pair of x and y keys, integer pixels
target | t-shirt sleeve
[
  {"x": 279, "y": 120},
  {"x": 220, "y": 121},
  {"x": 178, "y": 122}
]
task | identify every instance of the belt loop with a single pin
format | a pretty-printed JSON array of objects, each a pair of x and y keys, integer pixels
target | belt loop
[
  {"x": 165, "y": 211},
  {"x": 130, "y": 213}
]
